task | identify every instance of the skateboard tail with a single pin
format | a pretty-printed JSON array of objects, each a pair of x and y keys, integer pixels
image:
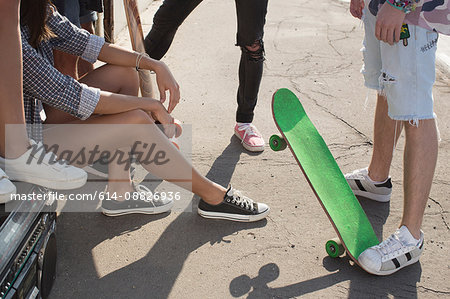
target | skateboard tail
[{"x": 323, "y": 174}]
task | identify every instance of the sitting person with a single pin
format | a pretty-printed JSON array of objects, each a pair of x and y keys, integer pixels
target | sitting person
[
  {"x": 14, "y": 143},
  {"x": 109, "y": 95}
]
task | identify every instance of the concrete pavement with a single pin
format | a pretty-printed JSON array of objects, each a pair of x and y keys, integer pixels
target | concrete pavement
[{"x": 312, "y": 47}]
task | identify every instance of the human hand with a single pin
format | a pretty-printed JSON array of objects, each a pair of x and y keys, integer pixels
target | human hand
[
  {"x": 166, "y": 81},
  {"x": 162, "y": 115},
  {"x": 389, "y": 24},
  {"x": 356, "y": 8}
]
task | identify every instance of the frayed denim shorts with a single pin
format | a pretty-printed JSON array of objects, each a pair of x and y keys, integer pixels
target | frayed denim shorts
[{"x": 405, "y": 74}]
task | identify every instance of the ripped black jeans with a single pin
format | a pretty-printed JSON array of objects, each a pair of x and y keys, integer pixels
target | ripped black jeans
[{"x": 251, "y": 17}]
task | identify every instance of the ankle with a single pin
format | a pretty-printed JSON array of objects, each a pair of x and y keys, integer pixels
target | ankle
[
  {"x": 120, "y": 187},
  {"x": 377, "y": 176},
  {"x": 215, "y": 196}
]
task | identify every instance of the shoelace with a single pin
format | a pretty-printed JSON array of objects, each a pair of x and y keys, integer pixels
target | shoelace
[
  {"x": 391, "y": 247},
  {"x": 250, "y": 130},
  {"x": 242, "y": 200},
  {"x": 357, "y": 174}
]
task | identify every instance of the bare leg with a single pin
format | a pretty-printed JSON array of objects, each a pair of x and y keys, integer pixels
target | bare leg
[
  {"x": 11, "y": 88},
  {"x": 119, "y": 181},
  {"x": 177, "y": 170},
  {"x": 109, "y": 138},
  {"x": 385, "y": 138},
  {"x": 420, "y": 158},
  {"x": 113, "y": 79},
  {"x": 110, "y": 78}
]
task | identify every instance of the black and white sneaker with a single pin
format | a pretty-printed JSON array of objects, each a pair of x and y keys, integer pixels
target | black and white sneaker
[
  {"x": 140, "y": 201},
  {"x": 396, "y": 252},
  {"x": 363, "y": 185},
  {"x": 234, "y": 207}
]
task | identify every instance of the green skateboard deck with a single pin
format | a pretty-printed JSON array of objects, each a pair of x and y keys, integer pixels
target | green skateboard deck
[{"x": 322, "y": 173}]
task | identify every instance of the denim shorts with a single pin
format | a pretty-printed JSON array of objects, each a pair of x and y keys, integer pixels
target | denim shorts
[{"x": 405, "y": 74}]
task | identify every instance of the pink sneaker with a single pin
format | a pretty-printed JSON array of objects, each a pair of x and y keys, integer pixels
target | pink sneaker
[{"x": 250, "y": 137}]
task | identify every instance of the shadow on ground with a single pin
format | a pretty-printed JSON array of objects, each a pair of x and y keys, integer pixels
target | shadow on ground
[
  {"x": 362, "y": 284},
  {"x": 155, "y": 274}
]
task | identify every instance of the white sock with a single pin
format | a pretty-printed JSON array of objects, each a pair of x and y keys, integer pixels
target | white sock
[{"x": 408, "y": 237}]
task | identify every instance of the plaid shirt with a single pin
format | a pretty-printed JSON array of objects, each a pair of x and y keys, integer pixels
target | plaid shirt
[{"x": 42, "y": 83}]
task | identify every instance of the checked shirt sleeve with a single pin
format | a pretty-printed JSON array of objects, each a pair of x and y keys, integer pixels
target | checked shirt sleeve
[
  {"x": 73, "y": 40},
  {"x": 42, "y": 81}
]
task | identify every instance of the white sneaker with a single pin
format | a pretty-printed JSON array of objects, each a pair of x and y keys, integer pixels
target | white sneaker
[
  {"x": 38, "y": 167},
  {"x": 141, "y": 201},
  {"x": 363, "y": 185},
  {"x": 6, "y": 188},
  {"x": 397, "y": 251}
]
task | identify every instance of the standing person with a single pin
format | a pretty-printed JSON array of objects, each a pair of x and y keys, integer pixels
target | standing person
[
  {"x": 251, "y": 17},
  {"x": 15, "y": 152},
  {"x": 403, "y": 73}
]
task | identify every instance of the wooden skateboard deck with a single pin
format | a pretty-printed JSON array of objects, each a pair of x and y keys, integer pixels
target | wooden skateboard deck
[
  {"x": 137, "y": 42},
  {"x": 322, "y": 173}
]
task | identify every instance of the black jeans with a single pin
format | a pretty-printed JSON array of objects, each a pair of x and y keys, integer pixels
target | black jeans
[{"x": 251, "y": 16}]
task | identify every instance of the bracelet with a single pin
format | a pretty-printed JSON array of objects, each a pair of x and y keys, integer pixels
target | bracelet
[
  {"x": 406, "y": 6},
  {"x": 139, "y": 58}
]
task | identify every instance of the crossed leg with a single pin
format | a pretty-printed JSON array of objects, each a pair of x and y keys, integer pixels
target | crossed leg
[{"x": 136, "y": 129}]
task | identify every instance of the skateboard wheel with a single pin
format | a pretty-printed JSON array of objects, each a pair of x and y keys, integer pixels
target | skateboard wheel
[
  {"x": 334, "y": 248},
  {"x": 277, "y": 143}
]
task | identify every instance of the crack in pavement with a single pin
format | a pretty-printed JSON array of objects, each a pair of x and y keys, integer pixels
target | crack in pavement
[
  {"x": 325, "y": 109},
  {"x": 433, "y": 290},
  {"x": 256, "y": 252},
  {"x": 441, "y": 213}
]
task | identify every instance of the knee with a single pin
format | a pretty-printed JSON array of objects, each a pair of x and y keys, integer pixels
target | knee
[
  {"x": 138, "y": 117},
  {"x": 255, "y": 51}
]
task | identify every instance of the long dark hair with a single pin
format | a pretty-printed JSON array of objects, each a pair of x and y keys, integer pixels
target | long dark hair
[{"x": 34, "y": 15}]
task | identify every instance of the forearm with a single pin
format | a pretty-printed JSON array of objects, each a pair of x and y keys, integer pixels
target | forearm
[
  {"x": 116, "y": 55},
  {"x": 112, "y": 103}
]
